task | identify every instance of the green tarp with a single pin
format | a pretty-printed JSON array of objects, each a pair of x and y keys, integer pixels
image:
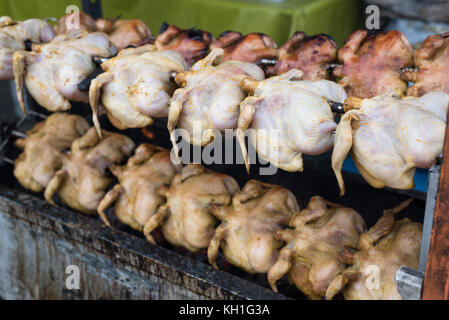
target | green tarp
[{"x": 278, "y": 19}]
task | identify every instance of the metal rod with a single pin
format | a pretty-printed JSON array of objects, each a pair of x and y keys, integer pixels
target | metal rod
[
  {"x": 85, "y": 84},
  {"x": 267, "y": 62},
  {"x": 337, "y": 107},
  {"x": 92, "y": 7}
]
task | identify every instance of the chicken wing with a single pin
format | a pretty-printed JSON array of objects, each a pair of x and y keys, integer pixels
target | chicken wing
[
  {"x": 372, "y": 64},
  {"x": 186, "y": 218},
  {"x": 82, "y": 181},
  {"x": 389, "y": 138},
  {"x": 247, "y": 231},
  {"x": 43, "y": 149},
  {"x": 314, "y": 254},
  {"x": 287, "y": 117}
]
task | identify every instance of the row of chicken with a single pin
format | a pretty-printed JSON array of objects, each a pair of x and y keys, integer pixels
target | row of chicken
[
  {"x": 387, "y": 135},
  {"x": 324, "y": 249}
]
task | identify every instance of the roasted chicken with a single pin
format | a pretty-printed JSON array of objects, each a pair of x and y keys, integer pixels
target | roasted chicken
[
  {"x": 53, "y": 71},
  {"x": 287, "y": 117},
  {"x": 71, "y": 22},
  {"x": 314, "y": 254},
  {"x": 186, "y": 218},
  {"x": 253, "y": 47},
  {"x": 135, "y": 87},
  {"x": 372, "y": 64},
  {"x": 248, "y": 226},
  {"x": 432, "y": 63},
  {"x": 310, "y": 54},
  {"x": 136, "y": 198},
  {"x": 13, "y": 37},
  {"x": 389, "y": 138},
  {"x": 388, "y": 245},
  {"x": 209, "y": 98},
  {"x": 43, "y": 149},
  {"x": 191, "y": 43},
  {"x": 125, "y": 33},
  {"x": 82, "y": 181}
]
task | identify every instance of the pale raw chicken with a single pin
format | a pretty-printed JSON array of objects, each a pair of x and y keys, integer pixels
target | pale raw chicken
[
  {"x": 372, "y": 64},
  {"x": 13, "y": 36},
  {"x": 288, "y": 117},
  {"x": 53, "y": 71},
  {"x": 82, "y": 181},
  {"x": 389, "y": 138},
  {"x": 210, "y": 97},
  {"x": 314, "y": 254},
  {"x": 247, "y": 231},
  {"x": 432, "y": 63},
  {"x": 136, "y": 86},
  {"x": 135, "y": 196},
  {"x": 43, "y": 149},
  {"x": 186, "y": 218},
  {"x": 388, "y": 245}
]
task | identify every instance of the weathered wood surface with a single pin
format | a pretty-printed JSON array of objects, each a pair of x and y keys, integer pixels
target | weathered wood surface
[
  {"x": 38, "y": 241},
  {"x": 436, "y": 281}
]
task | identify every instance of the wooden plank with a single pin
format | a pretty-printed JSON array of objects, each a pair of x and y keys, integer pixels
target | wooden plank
[{"x": 436, "y": 281}]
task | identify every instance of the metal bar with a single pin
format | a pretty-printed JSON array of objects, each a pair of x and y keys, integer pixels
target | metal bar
[
  {"x": 409, "y": 283},
  {"x": 92, "y": 7}
]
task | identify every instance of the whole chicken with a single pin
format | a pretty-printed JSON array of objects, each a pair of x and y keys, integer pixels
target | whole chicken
[
  {"x": 310, "y": 54},
  {"x": 389, "y": 138},
  {"x": 254, "y": 47},
  {"x": 432, "y": 62},
  {"x": 388, "y": 245},
  {"x": 125, "y": 33},
  {"x": 288, "y": 117},
  {"x": 43, "y": 149},
  {"x": 191, "y": 43},
  {"x": 248, "y": 226},
  {"x": 82, "y": 181},
  {"x": 82, "y": 22},
  {"x": 13, "y": 37},
  {"x": 372, "y": 64},
  {"x": 135, "y": 87},
  {"x": 136, "y": 198},
  {"x": 53, "y": 71},
  {"x": 186, "y": 218},
  {"x": 209, "y": 98},
  {"x": 315, "y": 250}
]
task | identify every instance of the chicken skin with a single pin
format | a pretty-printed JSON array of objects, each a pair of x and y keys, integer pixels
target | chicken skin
[
  {"x": 389, "y": 138},
  {"x": 209, "y": 98},
  {"x": 372, "y": 64},
  {"x": 136, "y": 196},
  {"x": 250, "y": 48},
  {"x": 135, "y": 87},
  {"x": 314, "y": 254},
  {"x": 191, "y": 43},
  {"x": 53, "y": 71},
  {"x": 186, "y": 218},
  {"x": 388, "y": 245},
  {"x": 310, "y": 54},
  {"x": 82, "y": 181},
  {"x": 125, "y": 33},
  {"x": 13, "y": 36},
  {"x": 43, "y": 149},
  {"x": 288, "y": 117},
  {"x": 248, "y": 226},
  {"x": 432, "y": 62}
]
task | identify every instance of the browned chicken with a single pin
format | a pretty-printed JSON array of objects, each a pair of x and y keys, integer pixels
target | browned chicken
[
  {"x": 82, "y": 181},
  {"x": 191, "y": 43},
  {"x": 247, "y": 232},
  {"x": 136, "y": 198},
  {"x": 310, "y": 54},
  {"x": 314, "y": 254},
  {"x": 388, "y": 245},
  {"x": 125, "y": 33},
  {"x": 432, "y": 63},
  {"x": 43, "y": 149},
  {"x": 186, "y": 218},
  {"x": 86, "y": 23},
  {"x": 372, "y": 64},
  {"x": 250, "y": 48}
]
